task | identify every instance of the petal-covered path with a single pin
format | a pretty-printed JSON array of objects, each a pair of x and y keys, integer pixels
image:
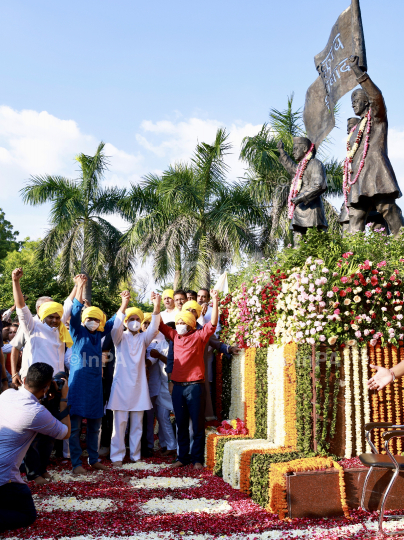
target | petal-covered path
[{"x": 149, "y": 501}]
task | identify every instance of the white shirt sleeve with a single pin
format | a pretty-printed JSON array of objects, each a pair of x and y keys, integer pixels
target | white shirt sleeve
[
  {"x": 117, "y": 329},
  {"x": 67, "y": 310},
  {"x": 7, "y": 348},
  {"x": 7, "y": 315},
  {"x": 26, "y": 320},
  {"x": 152, "y": 330}
]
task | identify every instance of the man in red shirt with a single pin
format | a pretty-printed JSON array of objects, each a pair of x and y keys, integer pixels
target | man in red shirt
[{"x": 188, "y": 377}]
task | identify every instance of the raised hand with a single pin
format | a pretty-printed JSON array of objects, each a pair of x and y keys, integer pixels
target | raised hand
[
  {"x": 353, "y": 60},
  {"x": 204, "y": 309},
  {"x": 214, "y": 295},
  {"x": 156, "y": 299},
  {"x": 280, "y": 146},
  {"x": 380, "y": 379},
  {"x": 17, "y": 274}
]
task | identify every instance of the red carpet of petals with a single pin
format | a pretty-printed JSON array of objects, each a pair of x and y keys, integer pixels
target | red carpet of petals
[{"x": 127, "y": 518}]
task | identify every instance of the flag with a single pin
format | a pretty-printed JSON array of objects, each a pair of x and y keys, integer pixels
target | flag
[{"x": 335, "y": 75}]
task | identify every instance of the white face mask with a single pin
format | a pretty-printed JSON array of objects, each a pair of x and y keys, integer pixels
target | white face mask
[
  {"x": 92, "y": 325},
  {"x": 181, "y": 329},
  {"x": 133, "y": 325}
]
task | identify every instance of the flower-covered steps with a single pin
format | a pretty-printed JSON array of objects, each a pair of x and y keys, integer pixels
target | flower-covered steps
[{"x": 149, "y": 501}]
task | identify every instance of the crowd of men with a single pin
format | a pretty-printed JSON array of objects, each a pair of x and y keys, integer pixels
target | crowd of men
[{"x": 67, "y": 365}]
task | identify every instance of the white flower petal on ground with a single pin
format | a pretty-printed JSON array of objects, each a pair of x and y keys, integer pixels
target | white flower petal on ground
[
  {"x": 71, "y": 504},
  {"x": 156, "y": 482},
  {"x": 143, "y": 466},
  {"x": 185, "y": 506},
  {"x": 68, "y": 476}
]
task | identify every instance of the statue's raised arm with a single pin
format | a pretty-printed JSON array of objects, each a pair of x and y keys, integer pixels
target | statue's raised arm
[{"x": 369, "y": 179}]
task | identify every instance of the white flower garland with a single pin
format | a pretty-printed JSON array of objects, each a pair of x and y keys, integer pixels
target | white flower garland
[
  {"x": 357, "y": 400},
  {"x": 348, "y": 403},
  {"x": 276, "y": 403},
  {"x": 69, "y": 504},
  {"x": 161, "y": 482},
  {"x": 237, "y": 386},
  {"x": 232, "y": 457},
  {"x": 366, "y": 403},
  {"x": 68, "y": 476},
  {"x": 185, "y": 506},
  {"x": 143, "y": 466}
]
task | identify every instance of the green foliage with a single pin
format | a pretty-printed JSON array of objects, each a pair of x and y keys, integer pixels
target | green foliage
[
  {"x": 261, "y": 385},
  {"x": 218, "y": 471},
  {"x": 304, "y": 396},
  {"x": 192, "y": 218},
  {"x": 79, "y": 234},
  {"x": 39, "y": 277},
  {"x": 259, "y": 473},
  {"x": 8, "y": 237}
]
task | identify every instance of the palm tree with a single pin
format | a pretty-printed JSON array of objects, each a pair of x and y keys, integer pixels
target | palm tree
[
  {"x": 83, "y": 239},
  {"x": 270, "y": 182},
  {"x": 192, "y": 219}
]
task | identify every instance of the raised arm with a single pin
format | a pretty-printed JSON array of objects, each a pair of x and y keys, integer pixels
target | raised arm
[
  {"x": 117, "y": 329},
  {"x": 375, "y": 96},
  {"x": 68, "y": 303},
  {"x": 153, "y": 327},
  {"x": 285, "y": 160},
  {"x": 24, "y": 315},
  {"x": 215, "y": 308}
]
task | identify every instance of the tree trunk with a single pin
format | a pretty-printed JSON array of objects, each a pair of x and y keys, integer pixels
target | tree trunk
[
  {"x": 178, "y": 271},
  {"x": 87, "y": 291}
]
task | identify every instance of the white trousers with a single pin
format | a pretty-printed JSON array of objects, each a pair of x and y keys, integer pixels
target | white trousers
[
  {"x": 166, "y": 432},
  {"x": 118, "y": 449}
]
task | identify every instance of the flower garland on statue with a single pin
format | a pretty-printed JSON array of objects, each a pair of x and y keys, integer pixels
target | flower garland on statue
[
  {"x": 347, "y": 182},
  {"x": 290, "y": 395},
  {"x": 297, "y": 181},
  {"x": 237, "y": 386}
]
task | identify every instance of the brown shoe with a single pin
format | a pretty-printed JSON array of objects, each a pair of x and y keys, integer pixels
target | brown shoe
[
  {"x": 79, "y": 470},
  {"x": 99, "y": 466}
]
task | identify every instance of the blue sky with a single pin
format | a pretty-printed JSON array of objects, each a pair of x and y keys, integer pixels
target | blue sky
[{"x": 152, "y": 78}]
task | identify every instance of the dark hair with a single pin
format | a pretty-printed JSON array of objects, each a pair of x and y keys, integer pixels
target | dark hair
[
  {"x": 180, "y": 291},
  {"x": 6, "y": 324},
  {"x": 38, "y": 376},
  {"x": 193, "y": 293},
  {"x": 207, "y": 290},
  {"x": 171, "y": 324}
]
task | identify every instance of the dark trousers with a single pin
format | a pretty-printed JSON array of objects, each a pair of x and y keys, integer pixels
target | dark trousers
[
  {"x": 38, "y": 455},
  {"x": 17, "y": 507},
  {"x": 189, "y": 402}
]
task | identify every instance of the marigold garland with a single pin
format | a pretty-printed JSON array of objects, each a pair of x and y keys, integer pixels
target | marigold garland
[
  {"x": 245, "y": 465},
  {"x": 397, "y": 398},
  {"x": 250, "y": 391},
  {"x": 375, "y": 402},
  {"x": 380, "y": 395},
  {"x": 277, "y": 502},
  {"x": 289, "y": 382},
  {"x": 211, "y": 442}
]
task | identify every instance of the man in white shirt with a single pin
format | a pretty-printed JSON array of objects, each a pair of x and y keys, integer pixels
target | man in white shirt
[
  {"x": 21, "y": 417},
  {"x": 47, "y": 339},
  {"x": 20, "y": 341}
]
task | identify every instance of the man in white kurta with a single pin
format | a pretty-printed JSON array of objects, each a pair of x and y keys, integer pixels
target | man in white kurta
[{"x": 130, "y": 392}]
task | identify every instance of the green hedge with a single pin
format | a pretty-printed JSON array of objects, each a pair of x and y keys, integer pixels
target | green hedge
[
  {"x": 218, "y": 471},
  {"x": 260, "y": 464},
  {"x": 261, "y": 385}
]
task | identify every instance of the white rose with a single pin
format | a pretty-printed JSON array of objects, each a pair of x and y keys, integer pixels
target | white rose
[
  {"x": 332, "y": 340},
  {"x": 351, "y": 342},
  {"x": 357, "y": 299},
  {"x": 347, "y": 302}
]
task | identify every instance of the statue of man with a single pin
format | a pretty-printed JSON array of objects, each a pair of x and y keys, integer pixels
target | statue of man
[
  {"x": 376, "y": 186},
  {"x": 344, "y": 216},
  {"x": 309, "y": 208}
]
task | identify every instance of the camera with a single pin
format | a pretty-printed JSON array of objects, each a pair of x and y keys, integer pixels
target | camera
[{"x": 58, "y": 380}]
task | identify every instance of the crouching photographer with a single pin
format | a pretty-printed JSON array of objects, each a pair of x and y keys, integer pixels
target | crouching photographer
[{"x": 22, "y": 417}]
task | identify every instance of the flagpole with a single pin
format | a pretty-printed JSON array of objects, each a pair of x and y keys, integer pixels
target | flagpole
[{"x": 358, "y": 38}]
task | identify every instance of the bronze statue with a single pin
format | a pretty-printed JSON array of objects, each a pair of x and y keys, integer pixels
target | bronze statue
[
  {"x": 372, "y": 182},
  {"x": 308, "y": 208},
  {"x": 344, "y": 216}
]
